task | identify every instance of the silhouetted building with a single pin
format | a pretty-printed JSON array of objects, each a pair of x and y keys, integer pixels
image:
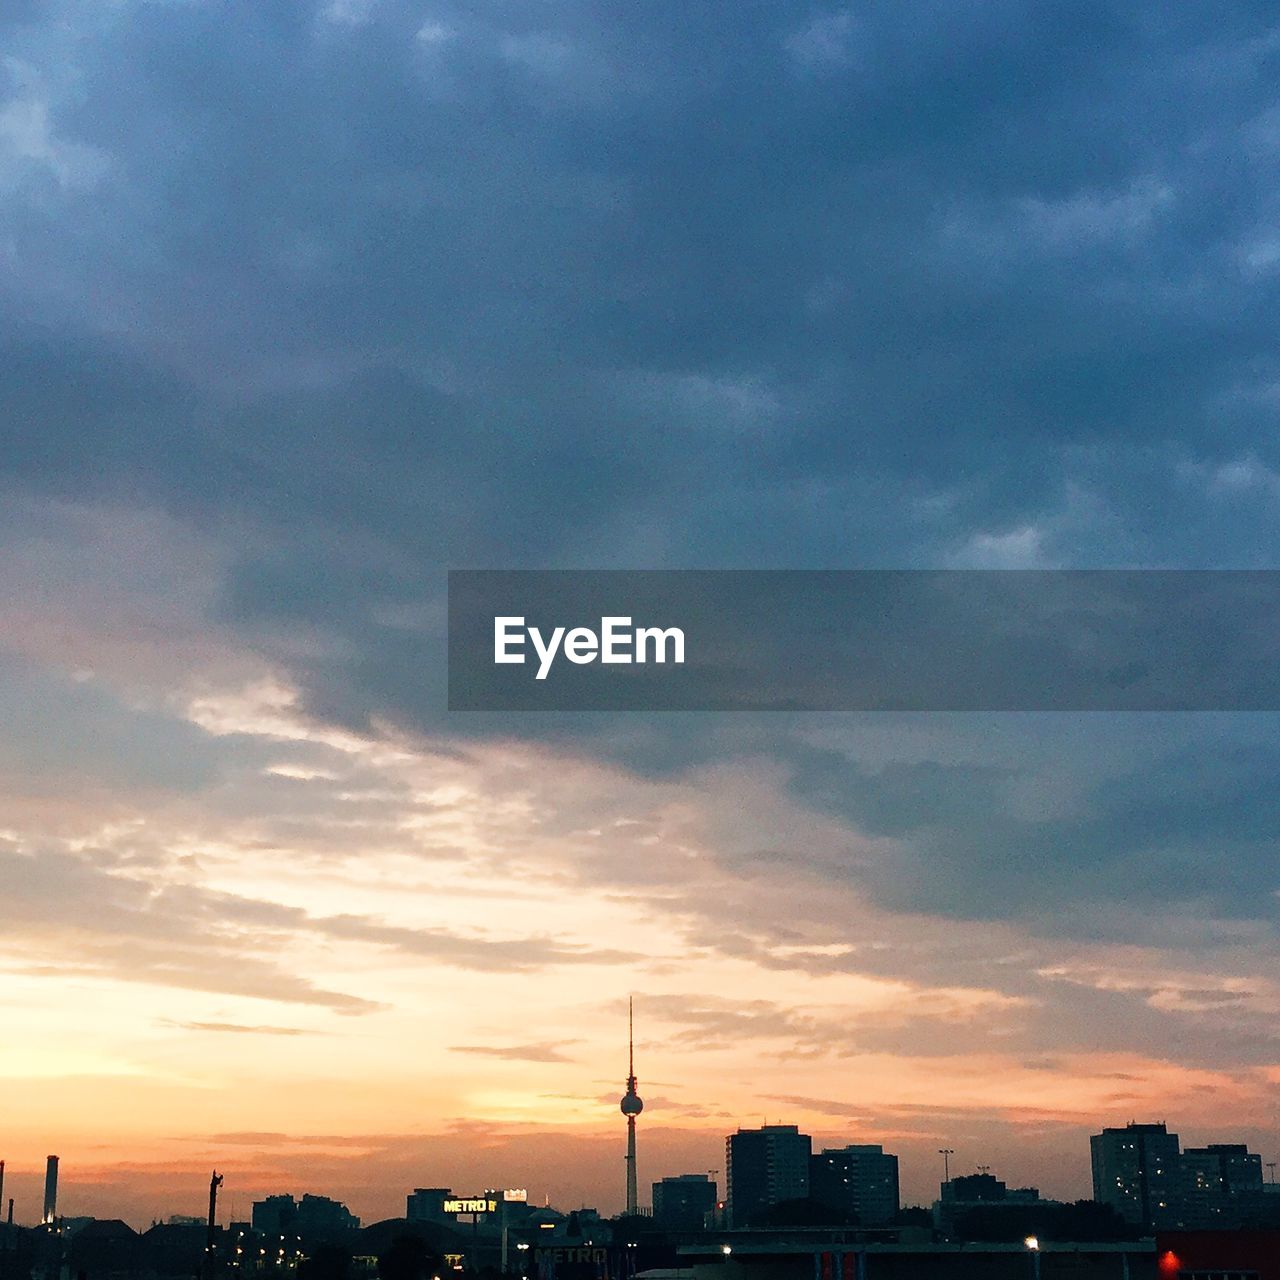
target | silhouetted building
[
  {"x": 171, "y": 1249},
  {"x": 1136, "y": 1171},
  {"x": 102, "y": 1248},
  {"x": 977, "y": 1188},
  {"x": 1221, "y": 1184},
  {"x": 313, "y": 1218},
  {"x": 856, "y": 1180},
  {"x": 683, "y": 1203},
  {"x": 378, "y": 1238},
  {"x": 764, "y": 1167},
  {"x": 426, "y": 1204},
  {"x": 961, "y": 1195},
  {"x": 275, "y": 1215},
  {"x": 320, "y": 1218}
]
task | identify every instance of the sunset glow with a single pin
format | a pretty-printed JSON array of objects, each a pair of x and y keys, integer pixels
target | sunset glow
[{"x": 307, "y": 304}]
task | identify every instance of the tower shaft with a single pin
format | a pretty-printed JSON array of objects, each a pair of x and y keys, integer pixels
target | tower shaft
[{"x": 633, "y": 1203}]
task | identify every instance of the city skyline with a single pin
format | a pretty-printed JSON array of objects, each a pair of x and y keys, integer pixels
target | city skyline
[
  {"x": 305, "y": 303},
  {"x": 87, "y": 1202}
]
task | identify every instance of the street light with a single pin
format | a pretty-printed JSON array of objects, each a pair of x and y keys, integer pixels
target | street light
[
  {"x": 726, "y": 1249},
  {"x": 946, "y": 1153},
  {"x": 1033, "y": 1247}
]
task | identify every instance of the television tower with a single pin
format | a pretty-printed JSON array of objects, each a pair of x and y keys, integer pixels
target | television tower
[{"x": 631, "y": 1107}]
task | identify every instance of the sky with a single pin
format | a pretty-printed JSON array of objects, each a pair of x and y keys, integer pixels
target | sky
[{"x": 303, "y": 304}]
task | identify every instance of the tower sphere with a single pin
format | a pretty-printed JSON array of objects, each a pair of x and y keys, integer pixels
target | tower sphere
[{"x": 631, "y": 1104}]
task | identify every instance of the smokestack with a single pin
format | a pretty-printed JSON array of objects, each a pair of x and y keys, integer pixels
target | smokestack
[
  {"x": 1, "y": 1182},
  {"x": 50, "y": 1191}
]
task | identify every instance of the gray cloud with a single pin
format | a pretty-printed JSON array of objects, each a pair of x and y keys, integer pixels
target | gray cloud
[
  {"x": 960, "y": 239},
  {"x": 954, "y": 284}
]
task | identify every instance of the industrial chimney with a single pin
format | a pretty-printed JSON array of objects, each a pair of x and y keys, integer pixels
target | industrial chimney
[{"x": 50, "y": 1191}]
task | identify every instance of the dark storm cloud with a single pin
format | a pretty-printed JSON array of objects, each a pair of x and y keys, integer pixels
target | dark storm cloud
[
  {"x": 1195, "y": 824},
  {"x": 366, "y": 294},
  {"x": 879, "y": 243}
]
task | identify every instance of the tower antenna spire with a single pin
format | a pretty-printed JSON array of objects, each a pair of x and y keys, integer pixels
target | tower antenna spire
[{"x": 631, "y": 1107}]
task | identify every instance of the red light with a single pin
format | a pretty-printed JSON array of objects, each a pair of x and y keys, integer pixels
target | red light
[{"x": 1170, "y": 1263}]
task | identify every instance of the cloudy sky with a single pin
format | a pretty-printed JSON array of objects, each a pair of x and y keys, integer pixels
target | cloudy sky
[{"x": 303, "y": 303}]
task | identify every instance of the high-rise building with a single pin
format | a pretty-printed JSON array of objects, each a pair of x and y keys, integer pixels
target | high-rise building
[
  {"x": 1136, "y": 1170},
  {"x": 861, "y": 1181},
  {"x": 764, "y": 1167},
  {"x": 683, "y": 1203},
  {"x": 321, "y": 1218},
  {"x": 631, "y": 1106},
  {"x": 1220, "y": 1184},
  {"x": 1229, "y": 1166},
  {"x": 274, "y": 1216}
]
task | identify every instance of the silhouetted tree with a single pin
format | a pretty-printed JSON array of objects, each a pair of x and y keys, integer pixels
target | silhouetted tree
[{"x": 1089, "y": 1220}]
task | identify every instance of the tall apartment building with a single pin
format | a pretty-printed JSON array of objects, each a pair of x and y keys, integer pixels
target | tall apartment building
[
  {"x": 764, "y": 1167},
  {"x": 1140, "y": 1171},
  {"x": 857, "y": 1180},
  {"x": 1137, "y": 1171},
  {"x": 1220, "y": 1184}
]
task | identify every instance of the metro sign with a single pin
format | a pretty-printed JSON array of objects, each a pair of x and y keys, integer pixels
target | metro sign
[{"x": 477, "y": 1205}]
